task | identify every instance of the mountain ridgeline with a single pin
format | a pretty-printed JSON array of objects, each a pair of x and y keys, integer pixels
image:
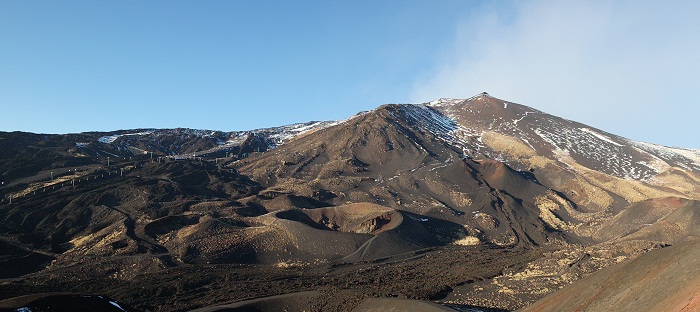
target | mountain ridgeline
[{"x": 512, "y": 202}]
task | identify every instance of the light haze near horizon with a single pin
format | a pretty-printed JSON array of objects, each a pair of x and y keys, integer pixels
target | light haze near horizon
[{"x": 631, "y": 68}]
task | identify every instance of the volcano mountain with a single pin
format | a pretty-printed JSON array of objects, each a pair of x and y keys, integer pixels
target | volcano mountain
[{"x": 477, "y": 203}]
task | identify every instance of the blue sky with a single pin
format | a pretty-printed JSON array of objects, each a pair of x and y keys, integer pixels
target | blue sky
[{"x": 627, "y": 67}]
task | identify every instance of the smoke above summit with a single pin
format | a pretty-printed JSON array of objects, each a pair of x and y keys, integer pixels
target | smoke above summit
[{"x": 628, "y": 67}]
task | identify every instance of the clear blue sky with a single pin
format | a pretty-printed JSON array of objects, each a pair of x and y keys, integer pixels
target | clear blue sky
[{"x": 72, "y": 66}]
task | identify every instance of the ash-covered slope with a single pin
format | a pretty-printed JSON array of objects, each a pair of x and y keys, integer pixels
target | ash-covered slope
[
  {"x": 508, "y": 173},
  {"x": 395, "y": 157}
]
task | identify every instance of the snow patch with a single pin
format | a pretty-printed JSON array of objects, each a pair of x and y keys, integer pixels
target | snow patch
[
  {"x": 515, "y": 122},
  {"x": 688, "y": 159},
  {"x": 444, "y": 102},
  {"x": 600, "y": 136},
  {"x": 286, "y": 133},
  {"x": 546, "y": 137},
  {"x": 116, "y": 305},
  {"x": 657, "y": 165},
  {"x": 108, "y": 153},
  {"x": 111, "y": 138}
]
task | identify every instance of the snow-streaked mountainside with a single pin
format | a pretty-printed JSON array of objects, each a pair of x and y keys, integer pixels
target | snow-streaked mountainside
[
  {"x": 480, "y": 126},
  {"x": 152, "y": 140},
  {"x": 463, "y": 124}
]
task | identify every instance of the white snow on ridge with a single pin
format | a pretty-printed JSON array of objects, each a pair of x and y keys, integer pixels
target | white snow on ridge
[
  {"x": 656, "y": 165},
  {"x": 686, "y": 158},
  {"x": 111, "y": 138},
  {"x": 431, "y": 120},
  {"x": 515, "y": 122},
  {"x": 584, "y": 145},
  {"x": 444, "y": 102},
  {"x": 692, "y": 154},
  {"x": 590, "y": 147},
  {"x": 600, "y": 136},
  {"x": 305, "y": 128},
  {"x": 545, "y": 136},
  {"x": 274, "y": 136},
  {"x": 236, "y": 140},
  {"x": 286, "y": 133},
  {"x": 444, "y": 126}
]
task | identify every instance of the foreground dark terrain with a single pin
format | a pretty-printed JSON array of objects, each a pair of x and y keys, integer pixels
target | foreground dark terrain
[{"x": 471, "y": 204}]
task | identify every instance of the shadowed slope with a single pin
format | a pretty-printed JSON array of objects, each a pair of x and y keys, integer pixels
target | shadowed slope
[
  {"x": 100, "y": 213},
  {"x": 661, "y": 280}
]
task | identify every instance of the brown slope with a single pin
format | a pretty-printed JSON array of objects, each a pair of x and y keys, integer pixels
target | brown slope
[
  {"x": 106, "y": 215},
  {"x": 395, "y": 157},
  {"x": 666, "y": 220},
  {"x": 637, "y": 216},
  {"x": 681, "y": 224},
  {"x": 662, "y": 280}
]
